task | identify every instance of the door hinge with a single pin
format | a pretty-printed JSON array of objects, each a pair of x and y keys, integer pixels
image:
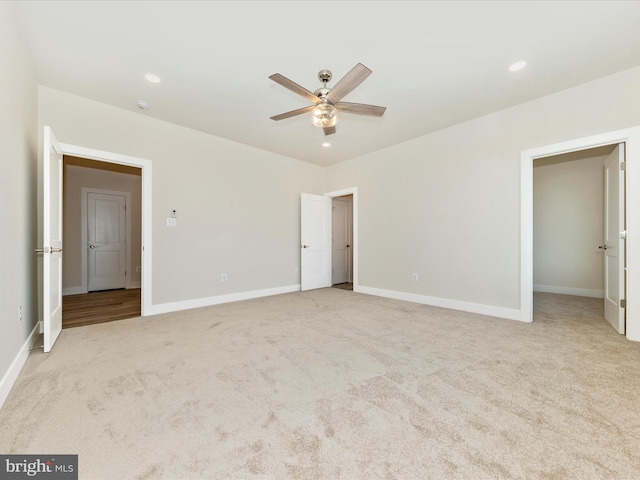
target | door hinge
[
  {"x": 623, "y": 165},
  {"x": 623, "y": 303}
]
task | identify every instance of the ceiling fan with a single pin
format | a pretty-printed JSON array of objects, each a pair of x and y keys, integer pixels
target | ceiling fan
[{"x": 326, "y": 101}]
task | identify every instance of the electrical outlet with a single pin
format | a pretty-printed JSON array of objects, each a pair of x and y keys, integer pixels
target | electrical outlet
[
  {"x": 20, "y": 313},
  {"x": 416, "y": 278},
  {"x": 171, "y": 222},
  {"x": 223, "y": 277}
]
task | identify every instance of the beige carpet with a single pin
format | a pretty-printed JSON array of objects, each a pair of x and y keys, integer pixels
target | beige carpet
[{"x": 330, "y": 384}]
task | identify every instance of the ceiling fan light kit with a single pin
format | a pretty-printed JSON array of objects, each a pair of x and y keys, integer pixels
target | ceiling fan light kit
[
  {"x": 324, "y": 115},
  {"x": 326, "y": 101}
]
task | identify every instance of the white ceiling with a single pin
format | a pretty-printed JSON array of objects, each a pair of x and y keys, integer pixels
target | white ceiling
[{"x": 434, "y": 63}]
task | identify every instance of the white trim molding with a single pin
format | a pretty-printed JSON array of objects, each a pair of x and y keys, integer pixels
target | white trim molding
[
  {"x": 631, "y": 138},
  {"x": 146, "y": 240},
  {"x": 219, "y": 299},
  {"x": 578, "y": 292},
  {"x": 500, "y": 312},
  {"x": 73, "y": 291},
  {"x": 10, "y": 377}
]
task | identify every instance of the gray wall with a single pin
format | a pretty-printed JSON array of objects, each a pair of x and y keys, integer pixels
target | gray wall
[{"x": 18, "y": 173}]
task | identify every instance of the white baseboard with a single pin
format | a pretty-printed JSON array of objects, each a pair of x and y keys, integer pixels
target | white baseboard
[
  {"x": 579, "y": 292},
  {"x": 72, "y": 291},
  {"x": 12, "y": 373},
  {"x": 208, "y": 301},
  {"x": 501, "y": 312},
  {"x": 80, "y": 290}
]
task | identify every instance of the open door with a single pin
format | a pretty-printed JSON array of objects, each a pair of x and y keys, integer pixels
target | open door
[
  {"x": 52, "y": 235},
  {"x": 614, "y": 251},
  {"x": 315, "y": 233}
]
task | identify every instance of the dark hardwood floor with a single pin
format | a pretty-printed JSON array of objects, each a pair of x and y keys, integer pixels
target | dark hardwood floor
[{"x": 100, "y": 307}]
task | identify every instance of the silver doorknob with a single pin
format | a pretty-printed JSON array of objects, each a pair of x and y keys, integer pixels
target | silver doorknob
[
  {"x": 92, "y": 246},
  {"x": 602, "y": 247},
  {"x": 348, "y": 246},
  {"x": 306, "y": 246}
]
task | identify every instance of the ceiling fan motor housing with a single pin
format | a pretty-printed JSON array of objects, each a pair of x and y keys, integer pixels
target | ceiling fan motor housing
[{"x": 322, "y": 92}]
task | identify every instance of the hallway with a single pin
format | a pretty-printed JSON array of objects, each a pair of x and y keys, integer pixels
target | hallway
[{"x": 100, "y": 307}]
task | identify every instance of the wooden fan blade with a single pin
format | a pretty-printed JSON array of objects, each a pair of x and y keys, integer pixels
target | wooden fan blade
[
  {"x": 351, "y": 80},
  {"x": 329, "y": 130},
  {"x": 293, "y": 113},
  {"x": 361, "y": 109},
  {"x": 294, "y": 87}
]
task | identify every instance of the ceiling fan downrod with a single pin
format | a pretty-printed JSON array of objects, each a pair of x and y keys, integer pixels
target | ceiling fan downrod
[{"x": 324, "y": 76}]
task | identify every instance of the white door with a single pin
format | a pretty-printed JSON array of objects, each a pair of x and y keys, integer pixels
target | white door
[
  {"x": 340, "y": 241},
  {"x": 106, "y": 236},
  {"x": 52, "y": 235},
  {"x": 315, "y": 248},
  {"x": 614, "y": 286}
]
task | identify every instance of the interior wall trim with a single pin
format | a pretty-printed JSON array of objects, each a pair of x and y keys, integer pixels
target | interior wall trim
[
  {"x": 219, "y": 299},
  {"x": 579, "y": 292},
  {"x": 10, "y": 377},
  {"x": 500, "y": 312}
]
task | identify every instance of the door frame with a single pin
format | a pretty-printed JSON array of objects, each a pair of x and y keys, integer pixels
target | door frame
[
  {"x": 146, "y": 207},
  {"x": 353, "y": 191},
  {"x": 349, "y": 235},
  {"x": 84, "y": 266},
  {"x": 631, "y": 138}
]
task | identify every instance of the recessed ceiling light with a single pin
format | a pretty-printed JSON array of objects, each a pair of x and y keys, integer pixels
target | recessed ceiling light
[
  {"x": 326, "y": 144},
  {"x": 152, "y": 78},
  {"x": 517, "y": 66},
  {"x": 142, "y": 105}
]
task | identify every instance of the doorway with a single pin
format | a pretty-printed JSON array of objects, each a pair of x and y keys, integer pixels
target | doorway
[
  {"x": 50, "y": 278},
  {"x": 102, "y": 224},
  {"x": 568, "y": 224},
  {"x": 315, "y": 239},
  {"x": 631, "y": 138},
  {"x": 341, "y": 242}
]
